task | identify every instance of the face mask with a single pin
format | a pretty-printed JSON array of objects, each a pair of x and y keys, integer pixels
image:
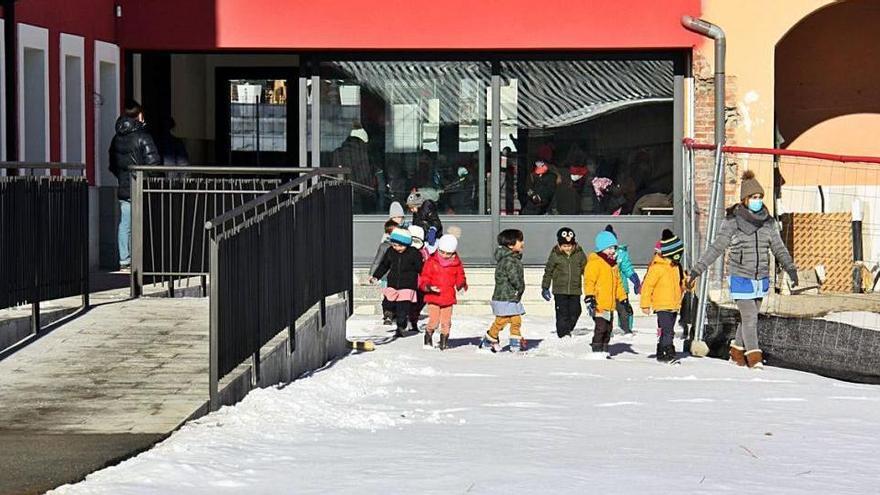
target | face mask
[
  {"x": 575, "y": 178},
  {"x": 756, "y": 204}
]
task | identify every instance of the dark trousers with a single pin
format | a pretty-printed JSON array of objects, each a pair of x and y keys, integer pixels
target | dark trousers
[
  {"x": 568, "y": 310},
  {"x": 666, "y": 324},
  {"x": 401, "y": 312},
  {"x": 415, "y": 310},
  {"x": 601, "y": 334},
  {"x": 625, "y": 314},
  {"x": 387, "y": 306}
]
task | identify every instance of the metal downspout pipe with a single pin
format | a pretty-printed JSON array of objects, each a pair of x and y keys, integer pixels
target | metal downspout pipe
[{"x": 716, "y": 204}]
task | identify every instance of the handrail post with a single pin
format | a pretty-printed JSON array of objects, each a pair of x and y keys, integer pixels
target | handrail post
[
  {"x": 137, "y": 234},
  {"x": 213, "y": 331}
]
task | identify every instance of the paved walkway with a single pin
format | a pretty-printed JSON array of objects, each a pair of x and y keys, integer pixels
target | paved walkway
[{"x": 126, "y": 372}]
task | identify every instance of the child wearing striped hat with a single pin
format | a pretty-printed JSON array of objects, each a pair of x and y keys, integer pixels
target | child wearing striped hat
[{"x": 662, "y": 290}]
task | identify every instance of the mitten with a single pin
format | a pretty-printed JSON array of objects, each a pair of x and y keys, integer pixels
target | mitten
[
  {"x": 432, "y": 235},
  {"x": 637, "y": 284},
  {"x": 545, "y": 293}
]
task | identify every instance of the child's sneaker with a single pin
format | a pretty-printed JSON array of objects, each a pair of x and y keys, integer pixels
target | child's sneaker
[
  {"x": 515, "y": 344},
  {"x": 490, "y": 344}
]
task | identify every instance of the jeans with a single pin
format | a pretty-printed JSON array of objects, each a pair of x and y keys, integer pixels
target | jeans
[{"x": 124, "y": 235}]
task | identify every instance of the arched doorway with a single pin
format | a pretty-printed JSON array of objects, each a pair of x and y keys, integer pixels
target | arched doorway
[{"x": 828, "y": 80}]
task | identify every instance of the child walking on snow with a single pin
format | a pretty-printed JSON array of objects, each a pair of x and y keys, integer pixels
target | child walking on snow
[
  {"x": 603, "y": 289},
  {"x": 387, "y": 306},
  {"x": 564, "y": 270},
  {"x": 625, "y": 313},
  {"x": 662, "y": 292},
  {"x": 442, "y": 276},
  {"x": 509, "y": 287},
  {"x": 418, "y": 243},
  {"x": 403, "y": 264}
]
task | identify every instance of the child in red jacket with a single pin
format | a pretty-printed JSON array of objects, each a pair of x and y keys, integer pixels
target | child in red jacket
[{"x": 442, "y": 276}]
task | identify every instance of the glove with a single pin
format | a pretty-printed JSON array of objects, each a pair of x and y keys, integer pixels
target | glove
[
  {"x": 432, "y": 235},
  {"x": 545, "y": 293},
  {"x": 590, "y": 301},
  {"x": 793, "y": 275},
  {"x": 637, "y": 284}
]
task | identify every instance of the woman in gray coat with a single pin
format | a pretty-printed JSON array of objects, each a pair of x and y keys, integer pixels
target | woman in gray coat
[{"x": 748, "y": 234}]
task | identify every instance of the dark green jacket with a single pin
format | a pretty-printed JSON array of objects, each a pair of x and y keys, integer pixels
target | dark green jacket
[
  {"x": 509, "y": 279},
  {"x": 565, "y": 271}
]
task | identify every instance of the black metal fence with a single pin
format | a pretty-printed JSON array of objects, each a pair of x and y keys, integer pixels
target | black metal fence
[
  {"x": 43, "y": 240},
  {"x": 272, "y": 267},
  {"x": 170, "y": 206}
]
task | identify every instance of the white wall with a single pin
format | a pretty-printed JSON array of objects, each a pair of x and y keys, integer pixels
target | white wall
[
  {"x": 33, "y": 93},
  {"x": 72, "y": 91}
]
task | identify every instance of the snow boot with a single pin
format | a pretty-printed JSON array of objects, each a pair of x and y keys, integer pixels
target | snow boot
[
  {"x": 414, "y": 326},
  {"x": 665, "y": 354},
  {"x": 444, "y": 341},
  {"x": 755, "y": 359},
  {"x": 429, "y": 339},
  {"x": 670, "y": 354},
  {"x": 737, "y": 355},
  {"x": 400, "y": 331},
  {"x": 388, "y": 318}
]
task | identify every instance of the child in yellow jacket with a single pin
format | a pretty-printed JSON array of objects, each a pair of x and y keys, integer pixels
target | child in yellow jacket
[
  {"x": 662, "y": 291},
  {"x": 603, "y": 289}
]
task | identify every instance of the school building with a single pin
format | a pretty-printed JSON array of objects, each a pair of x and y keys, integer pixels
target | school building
[{"x": 458, "y": 99}]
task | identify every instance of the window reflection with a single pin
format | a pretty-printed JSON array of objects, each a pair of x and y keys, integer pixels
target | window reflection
[
  {"x": 408, "y": 125},
  {"x": 258, "y": 115}
]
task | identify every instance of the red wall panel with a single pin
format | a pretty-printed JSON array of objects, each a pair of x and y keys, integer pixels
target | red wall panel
[{"x": 406, "y": 24}]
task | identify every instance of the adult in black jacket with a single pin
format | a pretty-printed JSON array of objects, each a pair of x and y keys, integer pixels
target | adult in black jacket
[
  {"x": 354, "y": 153},
  {"x": 132, "y": 145}
]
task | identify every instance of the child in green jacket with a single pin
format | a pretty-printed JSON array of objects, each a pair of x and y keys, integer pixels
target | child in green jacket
[
  {"x": 564, "y": 270},
  {"x": 509, "y": 287}
]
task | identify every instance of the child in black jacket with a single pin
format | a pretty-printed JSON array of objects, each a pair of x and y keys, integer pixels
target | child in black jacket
[{"x": 402, "y": 263}]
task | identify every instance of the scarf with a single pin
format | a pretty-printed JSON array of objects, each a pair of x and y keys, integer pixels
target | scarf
[{"x": 611, "y": 260}]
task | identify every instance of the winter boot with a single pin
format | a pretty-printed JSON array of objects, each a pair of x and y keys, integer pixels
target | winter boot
[
  {"x": 755, "y": 359},
  {"x": 414, "y": 326},
  {"x": 388, "y": 318},
  {"x": 737, "y": 355},
  {"x": 429, "y": 339},
  {"x": 670, "y": 353},
  {"x": 400, "y": 331},
  {"x": 444, "y": 341},
  {"x": 663, "y": 354}
]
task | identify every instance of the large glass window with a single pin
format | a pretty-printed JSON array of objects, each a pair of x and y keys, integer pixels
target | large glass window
[
  {"x": 258, "y": 115},
  {"x": 407, "y": 125},
  {"x": 587, "y": 137}
]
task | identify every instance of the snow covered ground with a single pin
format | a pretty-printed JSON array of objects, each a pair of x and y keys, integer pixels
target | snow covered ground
[{"x": 403, "y": 419}]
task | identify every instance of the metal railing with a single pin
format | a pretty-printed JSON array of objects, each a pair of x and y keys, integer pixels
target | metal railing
[
  {"x": 169, "y": 213},
  {"x": 44, "y": 244},
  {"x": 269, "y": 265}
]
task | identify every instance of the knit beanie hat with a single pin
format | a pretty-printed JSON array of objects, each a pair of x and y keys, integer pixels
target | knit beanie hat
[
  {"x": 750, "y": 185},
  {"x": 401, "y": 236},
  {"x": 565, "y": 236},
  {"x": 418, "y": 236},
  {"x": 415, "y": 199},
  {"x": 671, "y": 246},
  {"x": 396, "y": 210},
  {"x": 448, "y": 243},
  {"x": 605, "y": 240}
]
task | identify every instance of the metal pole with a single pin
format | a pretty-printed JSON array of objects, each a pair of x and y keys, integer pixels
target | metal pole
[
  {"x": 137, "y": 234},
  {"x": 717, "y": 197},
  {"x": 481, "y": 155},
  {"x": 496, "y": 158},
  {"x": 213, "y": 320},
  {"x": 858, "y": 254}
]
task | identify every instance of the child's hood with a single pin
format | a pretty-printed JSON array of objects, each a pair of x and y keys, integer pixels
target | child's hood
[
  {"x": 502, "y": 252},
  {"x": 446, "y": 262},
  {"x": 577, "y": 249}
]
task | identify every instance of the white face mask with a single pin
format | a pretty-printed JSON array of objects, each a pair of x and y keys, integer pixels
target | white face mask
[{"x": 575, "y": 178}]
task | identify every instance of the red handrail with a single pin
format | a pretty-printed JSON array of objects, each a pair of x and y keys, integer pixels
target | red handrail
[{"x": 691, "y": 144}]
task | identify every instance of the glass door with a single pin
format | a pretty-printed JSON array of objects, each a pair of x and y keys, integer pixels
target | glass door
[{"x": 256, "y": 116}]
